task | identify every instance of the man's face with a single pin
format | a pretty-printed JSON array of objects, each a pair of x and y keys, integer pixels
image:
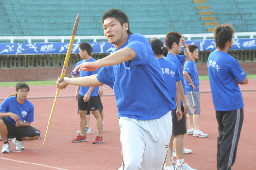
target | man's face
[
  {"x": 195, "y": 54},
  {"x": 177, "y": 47},
  {"x": 82, "y": 53},
  {"x": 22, "y": 93},
  {"x": 114, "y": 31}
]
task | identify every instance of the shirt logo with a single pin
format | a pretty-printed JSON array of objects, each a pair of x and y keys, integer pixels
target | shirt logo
[
  {"x": 168, "y": 71},
  {"x": 24, "y": 114},
  {"x": 214, "y": 65},
  {"x": 127, "y": 65}
]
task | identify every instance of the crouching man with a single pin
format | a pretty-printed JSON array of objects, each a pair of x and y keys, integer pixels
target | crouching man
[{"x": 16, "y": 115}]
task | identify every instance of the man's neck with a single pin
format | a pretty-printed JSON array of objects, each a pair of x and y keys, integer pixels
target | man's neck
[
  {"x": 173, "y": 52},
  {"x": 225, "y": 49},
  {"x": 20, "y": 101},
  {"x": 88, "y": 58},
  {"x": 122, "y": 41},
  {"x": 159, "y": 56}
]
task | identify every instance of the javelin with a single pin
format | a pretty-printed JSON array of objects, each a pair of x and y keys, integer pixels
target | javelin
[{"x": 62, "y": 74}]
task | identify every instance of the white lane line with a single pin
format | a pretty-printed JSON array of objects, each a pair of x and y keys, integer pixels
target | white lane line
[{"x": 32, "y": 163}]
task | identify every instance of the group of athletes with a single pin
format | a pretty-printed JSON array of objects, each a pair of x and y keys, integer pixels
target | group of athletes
[{"x": 150, "y": 94}]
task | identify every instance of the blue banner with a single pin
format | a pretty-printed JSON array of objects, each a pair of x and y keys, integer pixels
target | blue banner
[{"x": 104, "y": 47}]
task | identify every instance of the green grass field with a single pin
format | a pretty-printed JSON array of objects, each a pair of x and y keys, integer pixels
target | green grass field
[{"x": 53, "y": 82}]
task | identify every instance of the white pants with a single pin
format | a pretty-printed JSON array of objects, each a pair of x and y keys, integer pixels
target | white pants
[{"x": 145, "y": 142}]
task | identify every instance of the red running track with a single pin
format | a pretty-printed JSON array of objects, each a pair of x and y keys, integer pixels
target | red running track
[{"x": 60, "y": 153}]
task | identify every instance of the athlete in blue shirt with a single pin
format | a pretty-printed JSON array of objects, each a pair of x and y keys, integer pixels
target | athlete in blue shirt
[
  {"x": 174, "y": 42},
  {"x": 225, "y": 74},
  {"x": 16, "y": 115},
  {"x": 175, "y": 90},
  {"x": 193, "y": 95},
  {"x": 142, "y": 98},
  {"x": 87, "y": 97}
]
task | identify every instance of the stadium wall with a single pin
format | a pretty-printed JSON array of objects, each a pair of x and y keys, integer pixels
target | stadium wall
[{"x": 51, "y": 73}]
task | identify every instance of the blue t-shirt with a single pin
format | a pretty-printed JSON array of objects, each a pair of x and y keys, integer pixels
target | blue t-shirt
[
  {"x": 190, "y": 67},
  {"x": 138, "y": 84},
  {"x": 171, "y": 76},
  {"x": 223, "y": 70},
  {"x": 83, "y": 90},
  {"x": 179, "y": 61},
  {"x": 25, "y": 111}
]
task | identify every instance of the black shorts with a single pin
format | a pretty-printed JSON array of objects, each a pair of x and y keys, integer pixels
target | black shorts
[
  {"x": 19, "y": 132},
  {"x": 94, "y": 103},
  {"x": 178, "y": 127}
]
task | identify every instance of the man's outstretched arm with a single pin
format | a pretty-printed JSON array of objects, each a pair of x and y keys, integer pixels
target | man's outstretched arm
[
  {"x": 122, "y": 55},
  {"x": 89, "y": 81}
]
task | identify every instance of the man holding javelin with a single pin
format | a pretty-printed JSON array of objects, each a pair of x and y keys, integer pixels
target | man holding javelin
[
  {"x": 225, "y": 74},
  {"x": 142, "y": 98},
  {"x": 16, "y": 115}
]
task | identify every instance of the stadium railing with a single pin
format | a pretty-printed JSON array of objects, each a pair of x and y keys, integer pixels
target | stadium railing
[{"x": 46, "y": 39}]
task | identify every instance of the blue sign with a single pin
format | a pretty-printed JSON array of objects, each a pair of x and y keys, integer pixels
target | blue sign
[{"x": 104, "y": 47}]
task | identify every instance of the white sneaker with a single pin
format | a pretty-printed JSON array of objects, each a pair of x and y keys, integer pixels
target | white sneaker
[
  {"x": 88, "y": 130},
  {"x": 190, "y": 131},
  {"x": 186, "y": 151},
  {"x": 6, "y": 148},
  {"x": 183, "y": 166},
  {"x": 18, "y": 144},
  {"x": 169, "y": 167},
  {"x": 200, "y": 134}
]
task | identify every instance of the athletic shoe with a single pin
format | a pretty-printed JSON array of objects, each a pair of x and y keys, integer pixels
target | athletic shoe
[
  {"x": 6, "y": 148},
  {"x": 190, "y": 131},
  {"x": 88, "y": 130},
  {"x": 79, "y": 138},
  {"x": 98, "y": 140},
  {"x": 183, "y": 166},
  {"x": 18, "y": 144},
  {"x": 186, "y": 151},
  {"x": 169, "y": 167},
  {"x": 200, "y": 134}
]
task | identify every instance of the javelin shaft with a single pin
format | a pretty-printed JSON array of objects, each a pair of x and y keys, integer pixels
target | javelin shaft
[{"x": 62, "y": 75}]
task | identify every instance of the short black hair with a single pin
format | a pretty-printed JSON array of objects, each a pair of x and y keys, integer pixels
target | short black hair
[
  {"x": 222, "y": 34},
  {"x": 21, "y": 85},
  {"x": 158, "y": 46},
  {"x": 192, "y": 47},
  {"x": 119, "y": 15},
  {"x": 86, "y": 46},
  {"x": 172, "y": 37}
]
